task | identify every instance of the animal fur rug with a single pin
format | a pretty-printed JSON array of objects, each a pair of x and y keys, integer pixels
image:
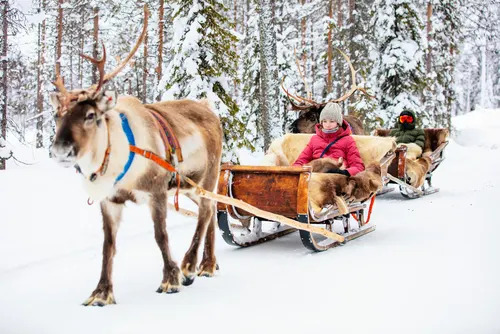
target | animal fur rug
[
  {"x": 332, "y": 189},
  {"x": 418, "y": 164}
]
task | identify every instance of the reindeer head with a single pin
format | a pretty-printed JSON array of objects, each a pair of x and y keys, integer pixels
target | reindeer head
[
  {"x": 309, "y": 110},
  {"x": 307, "y": 120},
  {"x": 79, "y": 113}
]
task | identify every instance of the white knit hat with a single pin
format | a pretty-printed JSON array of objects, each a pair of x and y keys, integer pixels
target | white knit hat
[{"x": 333, "y": 112}]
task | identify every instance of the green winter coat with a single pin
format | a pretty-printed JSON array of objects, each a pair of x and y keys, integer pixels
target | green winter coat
[{"x": 416, "y": 136}]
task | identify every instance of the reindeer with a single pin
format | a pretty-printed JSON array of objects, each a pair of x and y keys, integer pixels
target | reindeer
[
  {"x": 309, "y": 110},
  {"x": 111, "y": 141}
]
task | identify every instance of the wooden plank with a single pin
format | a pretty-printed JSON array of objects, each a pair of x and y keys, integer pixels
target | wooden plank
[
  {"x": 302, "y": 194},
  {"x": 271, "y": 192},
  {"x": 267, "y": 169},
  {"x": 264, "y": 214},
  {"x": 222, "y": 188},
  {"x": 401, "y": 161}
]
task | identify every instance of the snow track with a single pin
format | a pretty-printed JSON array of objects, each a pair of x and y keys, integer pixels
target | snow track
[{"x": 432, "y": 265}]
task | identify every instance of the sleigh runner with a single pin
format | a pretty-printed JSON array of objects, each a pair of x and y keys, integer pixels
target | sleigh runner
[
  {"x": 414, "y": 177},
  {"x": 286, "y": 191}
]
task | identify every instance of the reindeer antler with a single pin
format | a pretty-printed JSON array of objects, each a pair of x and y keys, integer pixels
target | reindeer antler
[
  {"x": 104, "y": 78},
  {"x": 354, "y": 87},
  {"x": 67, "y": 97},
  {"x": 111, "y": 75},
  {"x": 99, "y": 63},
  {"x": 306, "y": 86},
  {"x": 295, "y": 97},
  {"x": 308, "y": 103}
]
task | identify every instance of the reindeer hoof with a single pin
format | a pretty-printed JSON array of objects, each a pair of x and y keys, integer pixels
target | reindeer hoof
[
  {"x": 168, "y": 288},
  {"x": 100, "y": 300},
  {"x": 208, "y": 270},
  {"x": 187, "y": 280}
]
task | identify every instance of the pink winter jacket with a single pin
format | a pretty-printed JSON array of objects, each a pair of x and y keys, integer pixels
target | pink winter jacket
[{"x": 345, "y": 147}]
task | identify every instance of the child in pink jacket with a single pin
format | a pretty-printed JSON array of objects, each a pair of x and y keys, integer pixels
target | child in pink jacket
[{"x": 333, "y": 139}]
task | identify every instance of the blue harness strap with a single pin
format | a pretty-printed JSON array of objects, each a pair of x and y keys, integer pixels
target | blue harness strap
[{"x": 131, "y": 141}]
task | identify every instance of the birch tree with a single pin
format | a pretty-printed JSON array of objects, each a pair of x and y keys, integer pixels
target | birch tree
[{"x": 269, "y": 83}]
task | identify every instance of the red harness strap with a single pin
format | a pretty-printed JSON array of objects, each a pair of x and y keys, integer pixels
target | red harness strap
[
  {"x": 370, "y": 208},
  {"x": 163, "y": 163},
  {"x": 167, "y": 135}
]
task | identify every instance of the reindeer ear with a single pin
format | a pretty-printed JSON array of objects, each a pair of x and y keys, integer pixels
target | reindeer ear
[
  {"x": 54, "y": 100},
  {"x": 106, "y": 100},
  {"x": 341, "y": 161}
]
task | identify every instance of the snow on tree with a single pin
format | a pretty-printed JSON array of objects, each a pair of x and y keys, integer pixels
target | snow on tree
[
  {"x": 478, "y": 64},
  {"x": 444, "y": 36},
  {"x": 399, "y": 60},
  {"x": 269, "y": 83},
  {"x": 250, "y": 78},
  {"x": 203, "y": 65},
  {"x": 360, "y": 43},
  {"x": 288, "y": 38}
]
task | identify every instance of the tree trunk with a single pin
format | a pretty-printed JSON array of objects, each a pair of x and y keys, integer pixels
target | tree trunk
[
  {"x": 40, "y": 75},
  {"x": 303, "y": 34},
  {"x": 329, "y": 84},
  {"x": 95, "y": 49},
  {"x": 82, "y": 45},
  {"x": 339, "y": 70},
  {"x": 428, "y": 61},
  {"x": 3, "y": 123},
  {"x": 145, "y": 70},
  {"x": 59, "y": 36},
  {"x": 269, "y": 98},
  {"x": 235, "y": 81},
  {"x": 161, "y": 23}
]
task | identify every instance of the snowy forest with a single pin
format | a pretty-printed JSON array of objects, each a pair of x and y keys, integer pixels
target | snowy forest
[{"x": 439, "y": 58}]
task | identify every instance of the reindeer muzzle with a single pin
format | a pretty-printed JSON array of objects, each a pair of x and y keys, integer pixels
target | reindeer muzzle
[{"x": 64, "y": 154}]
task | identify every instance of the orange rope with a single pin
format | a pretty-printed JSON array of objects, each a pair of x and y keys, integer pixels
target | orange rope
[
  {"x": 370, "y": 208},
  {"x": 157, "y": 159}
]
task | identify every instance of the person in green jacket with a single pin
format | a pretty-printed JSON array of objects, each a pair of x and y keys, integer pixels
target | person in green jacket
[{"x": 408, "y": 135}]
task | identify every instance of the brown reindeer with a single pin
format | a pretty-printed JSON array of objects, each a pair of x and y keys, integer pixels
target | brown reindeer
[
  {"x": 99, "y": 134},
  {"x": 309, "y": 110}
]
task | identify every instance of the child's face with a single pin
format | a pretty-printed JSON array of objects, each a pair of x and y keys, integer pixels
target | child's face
[{"x": 328, "y": 124}]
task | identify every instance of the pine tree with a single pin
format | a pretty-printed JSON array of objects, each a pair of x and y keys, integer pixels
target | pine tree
[
  {"x": 204, "y": 64},
  {"x": 400, "y": 62},
  {"x": 288, "y": 39},
  {"x": 443, "y": 46},
  {"x": 359, "y": 44}
]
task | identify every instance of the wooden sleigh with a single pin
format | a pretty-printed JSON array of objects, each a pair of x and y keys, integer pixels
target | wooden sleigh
[
  {"x": 436, "y": 141},
  {"x": 284, "y": 191}
]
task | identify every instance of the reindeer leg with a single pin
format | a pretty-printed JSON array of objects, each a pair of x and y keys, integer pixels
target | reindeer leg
[
  {"x": 208, "y": 264},
  {"x": 103, "y": 293},
  {"x": 205, "y": 213},
  {"x": 171, "y": 274}
]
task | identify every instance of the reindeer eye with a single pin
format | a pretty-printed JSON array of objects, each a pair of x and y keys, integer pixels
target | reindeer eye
[{"x": 90, "y": 116}]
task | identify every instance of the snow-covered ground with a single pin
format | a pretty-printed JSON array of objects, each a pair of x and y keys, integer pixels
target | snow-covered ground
[{"x": 431, "y": 266}]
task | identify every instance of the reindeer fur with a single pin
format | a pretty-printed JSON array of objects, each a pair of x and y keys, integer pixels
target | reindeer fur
[
  {"x": 416, "y": 170},
  {"x": 285, "y": 150},
  {"x": 325, "y": 188},
  {"x": 323, "y": 165},
  {"x": 199, "y": 134},
  {"x": 365, "y": 184},
  {"x": 413, "y": 151}
]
